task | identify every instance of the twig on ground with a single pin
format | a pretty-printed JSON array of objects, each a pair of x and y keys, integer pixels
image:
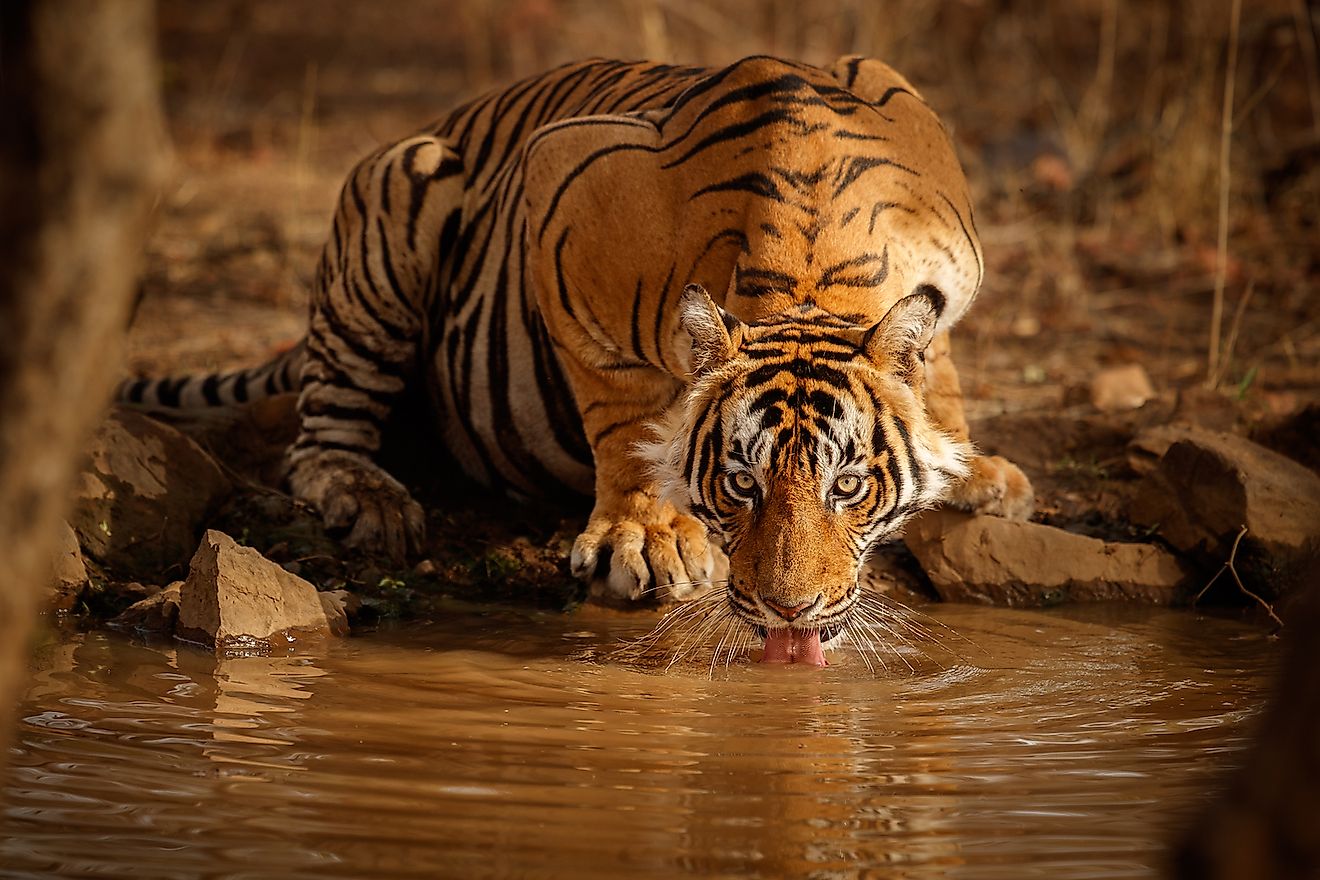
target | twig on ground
[
  {"x": 1230, "y": 567},
  {"x": 1225, "y": 145}
]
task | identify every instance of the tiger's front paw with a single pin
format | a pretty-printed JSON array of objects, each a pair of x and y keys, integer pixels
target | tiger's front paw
[
  {"x": 997, "y": 487},
  {"x": 355, "y": 494},
  {"x": 649, "y": 545}
]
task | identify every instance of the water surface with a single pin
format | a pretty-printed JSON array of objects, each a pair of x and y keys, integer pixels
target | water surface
[{"x": 502, "y": 743}]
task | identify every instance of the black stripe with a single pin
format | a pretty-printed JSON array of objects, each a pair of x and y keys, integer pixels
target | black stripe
[
  {"x": 853, "y": 64},
  {"x": 409, "y": 308},
  {"x": 565, "y": 421},
  {"x": 167, "y": 390},
  {"x": 879, "y": 207},
  {"x": 733, "y": 132},
  {"x": 753, "y": 182},
  {"x": 890, "y": 93},
  {"x": 636, "y": 323},
  {"x": 211, "y": 390},
  {"x": 660, "y": 310},
  {"x": 835, "y": 275},
  {"x": 800, "y": 369},
  {"x": 971, "y": 242},
  {"x": 137, "y": 390},
  {"x": 862, "y": 164}
]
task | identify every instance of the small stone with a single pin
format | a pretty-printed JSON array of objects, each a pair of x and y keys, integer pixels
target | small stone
[
  {"x": 425, "y": 568},
  {"x": 1026, "y": 326},
  {"x": 995, "y": 561},
  {"x": 134, "y": 591},
  {"x": 156, "y": 614},
  {"x": 1116, "y": 389},
  {"x": 70, "y": 575},
  {"x": 235, "y": 598}
]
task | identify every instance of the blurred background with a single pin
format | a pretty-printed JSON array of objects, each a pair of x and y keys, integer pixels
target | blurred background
[{"x": 1092, "y": 132}]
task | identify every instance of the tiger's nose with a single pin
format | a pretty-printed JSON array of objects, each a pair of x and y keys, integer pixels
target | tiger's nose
[{"x": 788, "y": 613}]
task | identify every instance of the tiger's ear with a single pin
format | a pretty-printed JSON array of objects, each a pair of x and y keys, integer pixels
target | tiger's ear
[
  {"x": 896, "y": 343},
  {"x": 715, "y": 333}
]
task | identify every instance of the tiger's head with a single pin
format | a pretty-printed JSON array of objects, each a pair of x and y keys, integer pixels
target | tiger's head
[{"x": 803, "y": 441}]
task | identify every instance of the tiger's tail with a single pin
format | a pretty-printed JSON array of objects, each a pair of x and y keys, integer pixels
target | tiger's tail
[{"x": 281, "y": 374}]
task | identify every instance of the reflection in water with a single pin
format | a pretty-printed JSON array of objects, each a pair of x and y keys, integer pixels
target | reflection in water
[{"x": 1061, "y": 744}]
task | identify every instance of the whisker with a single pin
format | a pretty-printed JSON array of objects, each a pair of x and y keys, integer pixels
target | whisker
[
  {"x": 715, "y": 655},
  {"x": 701, "y": 633},
  {"x": 866, "y": 643},
  {"x": 848, "y": 631},
  {"x": 910, "y": 614},
  {"x": 900, "y": 615}
]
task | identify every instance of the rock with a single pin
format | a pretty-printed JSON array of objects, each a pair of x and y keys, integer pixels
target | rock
[
  {"x": 1296, "y": 436},
  {"x": 1115, "y": 389},
  {"x": 235, "y": 598},
  {"x": 996, "y": 561},
  {"x": 143, "y": 496},
  {"x": 1208, "y": 485},
  {"x": 1146, "y": 449},
  {"x": 157, "y": 613},
  {"x": 70, "y": 575}
]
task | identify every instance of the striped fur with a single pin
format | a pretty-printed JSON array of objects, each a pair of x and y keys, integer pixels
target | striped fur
[{"x": 525, "y": 259}]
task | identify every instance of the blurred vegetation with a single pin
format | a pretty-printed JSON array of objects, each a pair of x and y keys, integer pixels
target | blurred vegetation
[{"x": 1091, "y": 131}]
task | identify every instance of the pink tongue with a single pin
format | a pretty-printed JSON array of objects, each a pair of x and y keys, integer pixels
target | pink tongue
[{"x": 788, "y": 645}]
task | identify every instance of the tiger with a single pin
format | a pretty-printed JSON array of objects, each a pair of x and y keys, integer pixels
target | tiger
[{"x": 717, "y": 299}]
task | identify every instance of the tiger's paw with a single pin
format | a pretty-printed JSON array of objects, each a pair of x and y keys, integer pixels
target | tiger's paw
[
  {"x": 356, "y": 495},
  {"x": 647, "y": 546},
  {"x": 997, "y": 487}
]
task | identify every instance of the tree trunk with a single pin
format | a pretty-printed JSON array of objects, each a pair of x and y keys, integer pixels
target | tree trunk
[{"x": 82, "y": 154}]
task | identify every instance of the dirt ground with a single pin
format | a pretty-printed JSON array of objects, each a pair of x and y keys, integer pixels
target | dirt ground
[{"x": 1090, "y": 132}]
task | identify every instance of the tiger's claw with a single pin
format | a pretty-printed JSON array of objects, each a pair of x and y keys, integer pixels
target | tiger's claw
[
  {"x": 356, "y": 495},
  {"x": 656, "y": 549}
]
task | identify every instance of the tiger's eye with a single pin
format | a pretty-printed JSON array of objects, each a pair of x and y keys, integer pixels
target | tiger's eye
[
  {"x": 744, "y": 481},
  {"x": 847, "y": 485}
]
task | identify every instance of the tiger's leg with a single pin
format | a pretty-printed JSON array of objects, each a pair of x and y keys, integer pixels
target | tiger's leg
[
  {"x": 648, "y": 543},
  {"x": 996, "y": 485},
  {"x": 376, "y": 276}
]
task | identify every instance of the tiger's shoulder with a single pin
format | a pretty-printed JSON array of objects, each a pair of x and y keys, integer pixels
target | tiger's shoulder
[{"x": 769, "y": 182}]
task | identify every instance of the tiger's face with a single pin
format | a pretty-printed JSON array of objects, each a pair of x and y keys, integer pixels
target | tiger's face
[{"x": 803, "y": 442}]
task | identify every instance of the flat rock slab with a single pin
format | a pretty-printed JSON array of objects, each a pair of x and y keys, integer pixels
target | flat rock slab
[
  {"x": 235, "y": 598},
  {"x": 143, "y": 495},
  {"x": 1207, "y": 485},
  {"x": 996, "y": 561}
]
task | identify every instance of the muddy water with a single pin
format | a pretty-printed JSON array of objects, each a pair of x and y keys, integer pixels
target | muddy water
[{"x": 499, "y": 743}]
